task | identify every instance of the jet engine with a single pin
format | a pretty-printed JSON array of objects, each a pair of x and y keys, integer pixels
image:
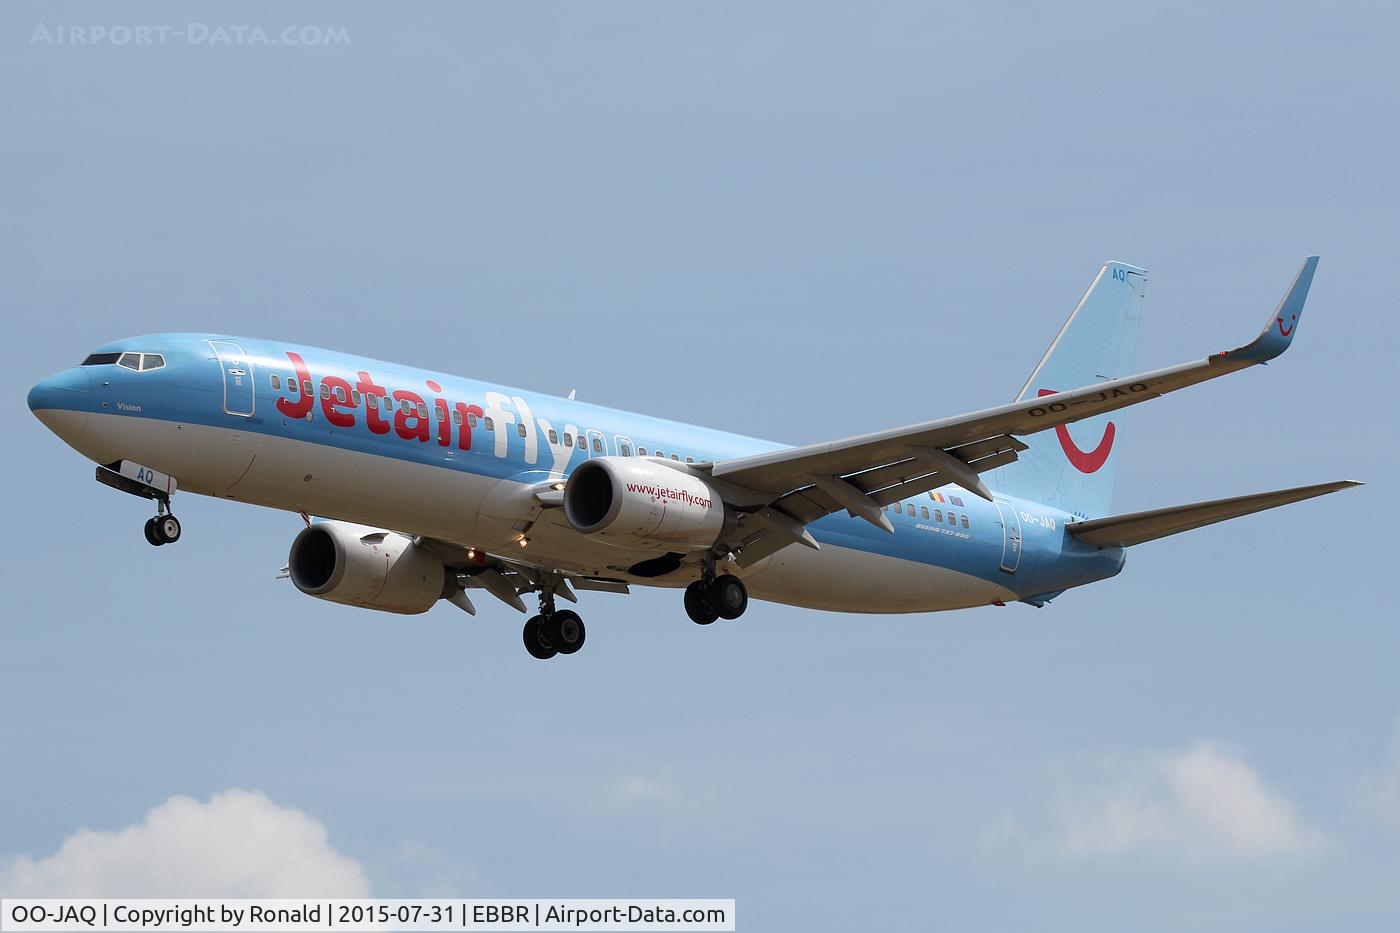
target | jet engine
[
  {"x": 642, "y": 503},
  {"x": 362, "y": 566}
]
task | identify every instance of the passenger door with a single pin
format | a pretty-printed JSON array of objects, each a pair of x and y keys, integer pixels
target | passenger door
[
  {"x": 238, "y": 378},
  {"x": 1010, "y": 536}
]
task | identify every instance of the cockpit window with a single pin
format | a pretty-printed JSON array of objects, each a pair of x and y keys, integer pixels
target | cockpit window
[{"x": 140, "y": 362}]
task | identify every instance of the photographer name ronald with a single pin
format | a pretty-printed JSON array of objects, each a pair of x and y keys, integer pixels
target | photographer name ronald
[{"x": 351, "y": 915}]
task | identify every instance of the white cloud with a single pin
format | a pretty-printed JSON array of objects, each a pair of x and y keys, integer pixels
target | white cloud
[
  {"x": 238, "y": 844},
  {"x": 1201, "y": 805},
  {"x": 638, "y": 788}
]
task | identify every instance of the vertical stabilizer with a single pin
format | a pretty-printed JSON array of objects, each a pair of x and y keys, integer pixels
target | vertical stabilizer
[{"x": 1073, "y": 466}]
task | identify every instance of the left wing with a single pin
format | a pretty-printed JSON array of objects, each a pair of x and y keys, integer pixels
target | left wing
[
  {"x": 509, "y": 580},
  {"x": 862, "y": 475}
]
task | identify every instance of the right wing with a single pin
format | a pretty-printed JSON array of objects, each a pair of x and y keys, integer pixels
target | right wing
[{"x": 787, "y": 489}]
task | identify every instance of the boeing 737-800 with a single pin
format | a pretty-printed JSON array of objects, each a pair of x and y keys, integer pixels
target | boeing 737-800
[{"x": 431, "y": 487}]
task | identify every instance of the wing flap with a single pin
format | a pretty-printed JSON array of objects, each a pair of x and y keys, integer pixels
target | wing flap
[{"x": 1138, "y": 527}]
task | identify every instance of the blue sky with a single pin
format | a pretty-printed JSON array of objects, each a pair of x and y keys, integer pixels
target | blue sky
[{"x": 793, "y": 221}]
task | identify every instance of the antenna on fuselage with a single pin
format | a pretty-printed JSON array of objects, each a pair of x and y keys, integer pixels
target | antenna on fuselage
[{"x": 572, "y": 393}]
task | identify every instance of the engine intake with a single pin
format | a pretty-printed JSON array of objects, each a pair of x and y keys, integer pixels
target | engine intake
[
  {"x": 361, "y": 566},
  {"x": 638, "y": 502}
]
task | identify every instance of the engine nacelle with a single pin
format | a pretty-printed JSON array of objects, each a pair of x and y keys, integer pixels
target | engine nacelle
[
  {"x": 362, "y": 566},
  {"x": 639, "y": 502}
]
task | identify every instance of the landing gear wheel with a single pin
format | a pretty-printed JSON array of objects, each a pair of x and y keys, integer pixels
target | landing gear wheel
[
  {"x": 535, "y": 641},
  {"x": 729, "y": 596},
  {"x": 697, "y": 604},
  {"x": 167, "y": 528},
  {"x": 565, "y": 631},
  {"x": 151, "y": 534}
]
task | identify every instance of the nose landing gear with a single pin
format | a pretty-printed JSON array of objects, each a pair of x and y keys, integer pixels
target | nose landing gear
[
  {"x": 164, "y": 528},
  {"x": 138, "y": 480}
]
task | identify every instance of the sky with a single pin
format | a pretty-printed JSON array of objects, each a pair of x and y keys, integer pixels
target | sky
[{"x": 794, "y": 221}]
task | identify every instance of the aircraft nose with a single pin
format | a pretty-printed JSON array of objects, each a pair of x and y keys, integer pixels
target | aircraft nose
[{"x": 62, "y": 401}]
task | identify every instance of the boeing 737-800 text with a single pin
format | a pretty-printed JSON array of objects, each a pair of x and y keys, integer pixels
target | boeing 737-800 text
[{"x": 430, "y": 486}]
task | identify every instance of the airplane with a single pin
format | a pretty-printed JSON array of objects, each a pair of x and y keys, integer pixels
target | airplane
[{"x": 431, "y": 487}]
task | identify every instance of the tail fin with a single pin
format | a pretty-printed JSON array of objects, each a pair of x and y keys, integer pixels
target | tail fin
[{"x": 1075, "y": 470}]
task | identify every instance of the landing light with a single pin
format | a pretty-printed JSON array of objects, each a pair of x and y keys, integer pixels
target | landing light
[{"x": 523, "y": 541}]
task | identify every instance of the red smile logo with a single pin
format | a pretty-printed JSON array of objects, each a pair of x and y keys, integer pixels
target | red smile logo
[
  {"x": 1084, "y": 461},
  {"x": 1292, "y": 324}
]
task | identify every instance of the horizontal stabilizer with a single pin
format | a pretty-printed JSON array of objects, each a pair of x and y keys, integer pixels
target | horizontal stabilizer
[{"x": 1127, "y": 530}]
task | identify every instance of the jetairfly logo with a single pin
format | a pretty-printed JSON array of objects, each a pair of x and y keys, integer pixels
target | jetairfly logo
[
  {"x": 411, "y": 420},
  {"x": 412, "y": 416},
  {"x": 669, "y": 494}
]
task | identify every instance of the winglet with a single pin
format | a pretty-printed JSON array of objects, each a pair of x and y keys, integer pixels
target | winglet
[{"x": 1283, "y": 324}]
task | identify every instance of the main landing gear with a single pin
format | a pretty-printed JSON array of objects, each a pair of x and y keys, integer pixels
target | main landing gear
[
  {"x": 164, "y": 528},
  {"x": 553, "y": 631},
  {"x": 711, "y": 597}
]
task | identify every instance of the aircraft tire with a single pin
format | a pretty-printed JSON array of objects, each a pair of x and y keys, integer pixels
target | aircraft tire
[
  {"x": 167, "y": 529},
  {"x": 565, "y": 631},
  {"x": 729, "y": 597},
  {"x": 697, "y": 604},
  {"x": 535, "y": 642}
]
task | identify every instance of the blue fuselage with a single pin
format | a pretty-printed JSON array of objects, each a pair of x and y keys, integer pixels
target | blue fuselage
[{"x": 297, "y": 414}]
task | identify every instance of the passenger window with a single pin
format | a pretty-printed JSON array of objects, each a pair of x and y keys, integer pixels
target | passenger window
[
  {"x": 276, "y": 382},
  {"x": 306, "y": 387},
  {"x": 340, "y": 394},
  {"x": 405, "y": 405},
  {"x": 625, "y": 449},
  {"x": 130, "y": 361},
  {"x": 909, "y": 510},
  {"x": 355, "y": 397},
  {"x": 553, "y": 436},
  {"x": 938, "y": 515},
  {"x": 422, "y": 411},
  {"x": 689, "y": 459},
  {"x": 489, "y": 425},
  {"x": 325, "y": 391},
  {"x": 151, "y": 361},
  {"x": 471, "y": 419},
  {"x": 293, "y": 387},
  {"x": 923, "y": 511},
  {"x": 641, "y": 451},
  {"x": 456, "y": 416},
  {"x": 952, "y": 519},
  {"x": 597, "y": 446},
  {"x": 964, "y": 521},
  {"x": 568, "y": 439},
  {"x": 675, "y": 456},
  {"x": 520, "y": 428}
]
